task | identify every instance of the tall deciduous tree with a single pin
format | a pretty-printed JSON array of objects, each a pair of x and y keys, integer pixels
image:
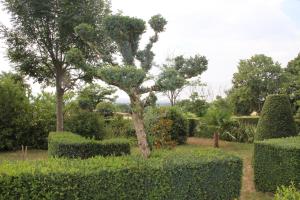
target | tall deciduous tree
[
  {"x": 42, "y": 34},
  {"x": 126, "y": 32},
  {"x": 292, "y": 83},
  {"x": 177, "y": 73},
  {"x": 91, "y": 95},
  {"x": 256, "y": 78}
]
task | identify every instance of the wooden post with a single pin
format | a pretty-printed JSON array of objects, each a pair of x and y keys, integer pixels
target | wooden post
[{"x": 216, "y": 140}]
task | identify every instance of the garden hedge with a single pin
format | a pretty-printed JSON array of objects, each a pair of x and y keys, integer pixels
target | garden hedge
[
  {"x": 276, "y": 119},
  {"x": 247, "y": 120},
  {"x": 69, "y": 145},
  {"x": 276, "y": 163},
  {"x": 176, "y": 175}
]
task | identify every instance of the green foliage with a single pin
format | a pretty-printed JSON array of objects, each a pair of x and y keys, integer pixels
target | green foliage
[
  {"x": 43, "y": 119},
  {"x": 126, "y": 77},
  {"x": 37, "y": 47},
  {"x": 256, "y": 78},
  {"x": 87, "y": 124},
  {"x": 218, "y": 113},
  {"x": 176, "y": 74},
  {"x": 194, "y": 105},
  {"x": 292, "y": 84},
  {"x": 176, "y": 124},
  {"x": 177, "y": 175},
  {"x": 106, "y": 109},
  {"x": 287, "y": 193},
  {"x": 276, "y": 118},
  {"x": 239, "y": 132},
  {"x": 276, "y": 163},
  {"x": 69, "y": 145},
  {"x": 43, "y": 33},
  {"x": 15, "y": 115},
  {"x": 206, "y": 131},
  {"x": 158, "y": 23},
  {"x": 90, "y": 96},
  {"x": 250, "y": 120},
  {"x": 126, "y": 32},
  {"x": 192, "y": 126},
  {"x": 123, "y": 108},
  {"x": 117, "y": 126}
]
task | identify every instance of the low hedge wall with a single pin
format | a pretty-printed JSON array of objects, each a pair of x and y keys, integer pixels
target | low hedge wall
[
  {"x": 69, "y": 145},
  {"x": 276, "y": 163},
  {"x": 249, "y": 120},
  {"x": 176, "y": 175}
]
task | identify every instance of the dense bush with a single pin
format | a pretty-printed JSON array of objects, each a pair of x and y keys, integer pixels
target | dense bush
[
  {"x": 206, "y": 131},
  {"x": 276, "y": 163},
  {"x": 176, "y": 175},
  {"x": 276, "y": 119},
  {"x": 69, "y": 145},
  {"x": 178, "y": 130},
  {"x": 287, "y": 193},
  {"x": 106, "y": 109},
  {"x": 15, "y": 115},
  {"x": 192, "y": 126},
  {"x": 43, "y": 119},
  {"x": 86, "y": 123},
  {"x": 247, "y": 120},
  {"x": 117, "y": 126}
]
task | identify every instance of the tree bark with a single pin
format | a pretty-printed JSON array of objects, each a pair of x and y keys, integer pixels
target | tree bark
[
  {"x": 59, "y": 100},
  {"x": 138, "y": 122},
  {"x": 216, "y": 140}
]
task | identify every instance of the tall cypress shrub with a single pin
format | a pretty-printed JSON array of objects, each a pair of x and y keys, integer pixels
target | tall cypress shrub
[{"x": 276, "y": 119}]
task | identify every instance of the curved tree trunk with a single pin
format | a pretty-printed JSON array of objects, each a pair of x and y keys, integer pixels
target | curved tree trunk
[{"x": 138, "y": 121}]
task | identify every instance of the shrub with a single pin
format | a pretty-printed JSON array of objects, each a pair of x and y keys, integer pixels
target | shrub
[
  {"x": 69, "y": 145},
  {"x": 276, "y": 163},
  {"x": 287, "y": 193},
  {"x": 276, "y": 119},
  {"x": 117, "y": 126},
  {"x": 87, "y": 124},
  {"x": 247, "y": 120},
  {"x": 239, "y": 132},
  {"x": 14, "y": 114},
  {"x": 178, "y": 131},
  {"x": 206, "y": 131},
  {"x": 192, "y": 126},
  {"x": 106, "y": 109},
  {"x": 176, "y": 175}
]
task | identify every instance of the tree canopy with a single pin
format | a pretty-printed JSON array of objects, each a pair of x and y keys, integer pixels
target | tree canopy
[
  {"x": 256, "y": 78},
  {"x": 43, "y": 34}
]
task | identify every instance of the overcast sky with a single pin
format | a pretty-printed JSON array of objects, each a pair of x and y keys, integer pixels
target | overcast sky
[{"x": 223, "y": 31}]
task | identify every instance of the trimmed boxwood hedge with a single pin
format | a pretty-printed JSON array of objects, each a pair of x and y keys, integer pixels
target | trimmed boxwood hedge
[
  {"x": 176, "y": 175},
  {"x": 276, "y": 119},
  {"x": 69, "y": 145},
  {"x": 276, "y": 163}
]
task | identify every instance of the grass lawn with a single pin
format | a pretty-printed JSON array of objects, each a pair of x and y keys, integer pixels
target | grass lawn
[{"x": 245, "y": 151}]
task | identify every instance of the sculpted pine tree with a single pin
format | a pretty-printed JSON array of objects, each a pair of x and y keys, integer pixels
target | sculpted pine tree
[
  {"x": 42, "y": 35},
  {"x": 126, "y": 32}
]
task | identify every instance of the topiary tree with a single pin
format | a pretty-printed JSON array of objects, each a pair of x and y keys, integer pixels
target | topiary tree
[
  {"x": 276, "y": 119},
  {"x": 126, "y": 32}
]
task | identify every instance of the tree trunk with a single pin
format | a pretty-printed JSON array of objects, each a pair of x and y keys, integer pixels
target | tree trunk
[
  {"x": 138, "y": 122},
  {"x": 59, "y": 100},
  {"x": 216, "y": 140}
]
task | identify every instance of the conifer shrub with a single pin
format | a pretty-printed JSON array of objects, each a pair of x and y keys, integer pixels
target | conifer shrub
[{"x": 276, "y": 119}]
